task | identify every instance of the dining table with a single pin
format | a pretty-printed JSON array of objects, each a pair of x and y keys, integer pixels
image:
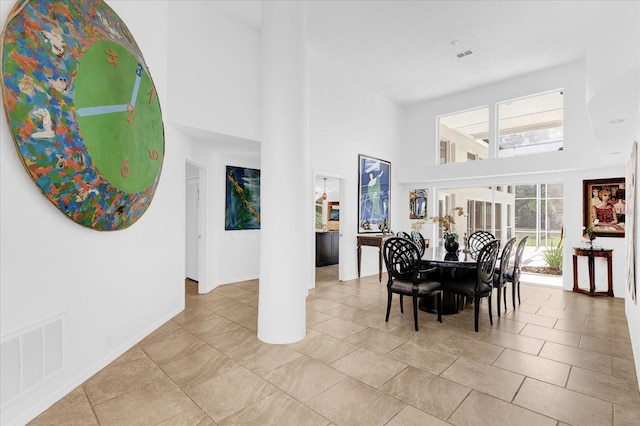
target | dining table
[{"x": 448, "y": 266}]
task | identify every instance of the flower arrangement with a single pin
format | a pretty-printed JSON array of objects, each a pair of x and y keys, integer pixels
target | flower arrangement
[
  {"x": 589, "y": 234},
  {"x": 447, "y": 223}
]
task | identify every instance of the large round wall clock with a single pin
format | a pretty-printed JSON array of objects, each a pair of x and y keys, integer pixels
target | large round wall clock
[{"x": 82, "y": 110}]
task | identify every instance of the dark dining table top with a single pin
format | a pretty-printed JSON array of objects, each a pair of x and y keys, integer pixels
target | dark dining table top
[{"x": 438, "y": 256}]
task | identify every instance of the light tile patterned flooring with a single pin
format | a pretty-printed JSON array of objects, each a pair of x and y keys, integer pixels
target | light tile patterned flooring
[{"x": 561, "y": 358}]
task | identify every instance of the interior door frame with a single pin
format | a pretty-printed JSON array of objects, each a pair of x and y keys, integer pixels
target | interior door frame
[
  {"x": 202, "y": 203},
  {"x": 343, "y": 213}
]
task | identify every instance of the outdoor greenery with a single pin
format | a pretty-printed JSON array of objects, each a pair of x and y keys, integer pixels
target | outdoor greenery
[{"x": 553, "y": 255}]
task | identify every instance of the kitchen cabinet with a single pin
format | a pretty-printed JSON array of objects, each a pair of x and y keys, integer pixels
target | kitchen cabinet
[{"x": 327, "y": 248}]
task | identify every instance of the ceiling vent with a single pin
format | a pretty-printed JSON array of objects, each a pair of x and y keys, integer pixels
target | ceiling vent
[{"x": 465, "y": 53}]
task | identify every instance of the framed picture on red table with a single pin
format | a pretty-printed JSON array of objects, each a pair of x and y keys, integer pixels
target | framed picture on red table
[{"x": 604, "y": 206}]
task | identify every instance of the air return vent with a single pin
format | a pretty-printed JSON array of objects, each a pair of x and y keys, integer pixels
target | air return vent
[
  {"x": 29, "y": 356},
  {"x": 465, "y": 53}
]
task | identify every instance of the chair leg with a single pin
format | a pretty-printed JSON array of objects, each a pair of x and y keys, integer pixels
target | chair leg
[
  {"x": 504, "y": 296},
  {"x": 518, "y": 292},
  {"x": 439, "y": 300},
  {"x": 388, "y": 305},
  {"x": 415, "y": 311},
  {"x": 491, "y": 316},
  {"x": 401, "y": 305},
  {"x": 498, "y": 304},
  {"x": 476, "y": 311},
  {"x": 513, "y": 294}
]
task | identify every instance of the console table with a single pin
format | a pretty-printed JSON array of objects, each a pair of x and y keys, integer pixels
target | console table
[
  {"x": 373, "y": 241},
  {"x": 591, "y": 254}
]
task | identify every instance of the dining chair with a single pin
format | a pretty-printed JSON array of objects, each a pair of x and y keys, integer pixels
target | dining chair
[
  {"x": 513, "y": 274},
  {"x": 419, "y": 240},
  {"x": 479, "y": 285},
  {"x": 477, "y": 241},
  {"x": 402, "y": 258},
  {"x": 499, "y": 279},
  {"x": 422, "y": 244}
]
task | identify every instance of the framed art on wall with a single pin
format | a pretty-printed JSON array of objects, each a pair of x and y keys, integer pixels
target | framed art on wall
[
  {"x": 374, "y": 191},
  {"x": 242, "y": 199},
  {"x": 604, "y": 206},
  {"x": 82, "y": 110},
  {"x": 632, "y": 223},
  {"x": 418, "y": 204}
]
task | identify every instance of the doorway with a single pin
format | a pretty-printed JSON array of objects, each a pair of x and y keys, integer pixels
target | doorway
[
  {"x": 328, "y": 211},
  {"x": 194, "y": 224}
]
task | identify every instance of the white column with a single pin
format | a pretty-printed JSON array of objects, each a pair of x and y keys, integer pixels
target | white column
[{"x": 284, "y": 173}]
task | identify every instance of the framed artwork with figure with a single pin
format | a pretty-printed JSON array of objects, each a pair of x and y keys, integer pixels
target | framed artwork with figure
[
  {"x": 604, "y": 206},
  {"x": 374, "y": 192}
]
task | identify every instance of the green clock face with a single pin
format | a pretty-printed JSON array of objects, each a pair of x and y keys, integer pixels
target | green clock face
[
  {"x": 82, "y": 110},
  {"x": 118, "y": 114}
]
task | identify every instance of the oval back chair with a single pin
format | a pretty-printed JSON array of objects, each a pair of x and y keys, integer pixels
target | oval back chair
[
  {"x": 513, "y": 274},
  {"x": 419, "y": 240},
  {"x": 477, "y": 241},
  {"x": 499, "y": 279},
  {"x": 478, "y": 285},
  {"x": 402, "y": 259}
]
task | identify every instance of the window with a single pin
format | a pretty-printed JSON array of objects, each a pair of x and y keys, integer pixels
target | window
[
  {"x": 522, "y": 126},
  {"x": 480, "y": 212},
  {"x": 498, "y": 223},
  {"x": 509, "y": 221},
  {"x": 446, "y": 152},
  {"x": 535, "y": 210},
  {"x": 466, "y": 131},
  {"x": 530, "y": 125},
  {"x": 539, "y": 212}
]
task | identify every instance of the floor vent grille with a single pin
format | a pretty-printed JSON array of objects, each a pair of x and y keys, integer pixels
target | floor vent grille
[{"x": 29, "y": 356}]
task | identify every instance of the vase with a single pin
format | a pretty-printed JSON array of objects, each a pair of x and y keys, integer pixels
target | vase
[{"x": 451, "y": 246}]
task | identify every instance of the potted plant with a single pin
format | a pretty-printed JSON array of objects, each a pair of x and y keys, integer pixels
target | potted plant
[
  {"x": 589, "y": 235},
  {"x": 449, "y": 233}
]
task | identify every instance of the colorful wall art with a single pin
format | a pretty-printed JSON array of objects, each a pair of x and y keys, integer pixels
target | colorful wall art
[
  {"x": 418, "y": 204},
  {"x": 604, "y": 206},
  {"x": 242, "y": 201},
  {"x": 374, "y": 191},
  {"x": 82, "y": 110}
]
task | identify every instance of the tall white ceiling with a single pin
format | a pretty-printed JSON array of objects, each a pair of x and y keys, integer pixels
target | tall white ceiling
[{"x": 405, "y": 50}]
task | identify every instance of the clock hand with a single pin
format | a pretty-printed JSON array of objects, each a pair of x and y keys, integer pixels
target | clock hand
[
  {"x": 108, "y": 109},
  {"x": 136, "y": 85},
  {"x": 98, "y": 110}
]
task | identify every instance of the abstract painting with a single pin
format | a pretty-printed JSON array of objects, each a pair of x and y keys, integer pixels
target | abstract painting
[
  {"x": 82, "y": 110},
  {"x": 242, "y": 203}
]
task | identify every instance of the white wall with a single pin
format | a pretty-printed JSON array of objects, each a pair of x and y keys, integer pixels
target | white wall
[
  {"x": 112, "y": 288},
  {"x": 231, "y": 256},
  {"x": 345, "y": 121},
  {"x": 580, "y": 159},
  {"x": 214, "y": 76},
  {"x": 214, "y": 70}
]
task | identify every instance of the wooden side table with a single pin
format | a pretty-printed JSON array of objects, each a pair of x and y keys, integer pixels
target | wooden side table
[
  {"x": 591, "y": 254},
  {"x": 372, "y": 241}
]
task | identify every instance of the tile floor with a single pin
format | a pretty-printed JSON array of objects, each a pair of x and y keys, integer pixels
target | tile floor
[{"x": 560, "y": 359}]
